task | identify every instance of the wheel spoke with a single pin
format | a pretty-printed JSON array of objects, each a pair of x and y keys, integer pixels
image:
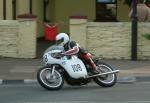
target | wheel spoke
[
  {"x": 105, "y": 78},
  {"x": 49, "y": 80}
]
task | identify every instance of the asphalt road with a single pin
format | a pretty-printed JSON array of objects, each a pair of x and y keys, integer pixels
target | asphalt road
[{"x": 138, "y": 92}]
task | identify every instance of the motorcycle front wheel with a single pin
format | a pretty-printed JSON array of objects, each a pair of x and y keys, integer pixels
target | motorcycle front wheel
[
  {"x": 108, "y": 80},
  {"x": 48, "y": 80}
]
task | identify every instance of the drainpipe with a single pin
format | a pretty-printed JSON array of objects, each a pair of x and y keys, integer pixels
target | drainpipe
[
  {"x": 30, "y": 7},
  {"x": 14, "y": 9},
  {"x": 4, "y": 9},
  {"x": 134, "y": 31}
]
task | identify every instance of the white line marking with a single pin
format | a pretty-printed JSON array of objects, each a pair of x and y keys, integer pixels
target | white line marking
[
  {"x": 138, "y": 101},
  {"x": 30, "y": 81},
  {"x": 1, "y": 81}
]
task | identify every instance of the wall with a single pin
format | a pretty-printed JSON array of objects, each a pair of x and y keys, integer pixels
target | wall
[
  {"x": 9, "y": 10},
  {"x": 22, "y": 6},
  {"x": 51, "y": 10},
  {"x": 78, "y": 30},
  {"x": 18, "y": 38},
  {"x": 27, "y": 38},
  {"x": 9, "y": 38},
  {"x": 58, "y": 11},
  {"x": 1, "y": 9},
  {"x": 143, "y": 43},
  {"x": 66, "y": 8},
  {"x": 111, "y": 40},
  {"x": 37, "y": 9},
  {"x": 122, "y": 11}
]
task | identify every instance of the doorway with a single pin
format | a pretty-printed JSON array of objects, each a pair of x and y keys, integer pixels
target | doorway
[{"x": 106, "y": 11}]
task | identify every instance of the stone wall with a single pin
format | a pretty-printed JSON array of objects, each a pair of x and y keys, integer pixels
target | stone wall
[
  {"x": 109, "y": 40},
  {"x": 17, "y": 39},
  {"x": 112, "y": 40},
  {"x": 78, "y": 30},
  {"x": 9, "y": 38},
  {"x": 143, "y": 43}
]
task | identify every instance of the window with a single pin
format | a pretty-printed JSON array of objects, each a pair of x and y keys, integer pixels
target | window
[
  {"x": 106, "y": 10},
  {"x": 106, "y": 1}
]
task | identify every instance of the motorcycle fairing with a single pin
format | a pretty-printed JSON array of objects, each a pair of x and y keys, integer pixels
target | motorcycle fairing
[{"x": 75, "y": 68}]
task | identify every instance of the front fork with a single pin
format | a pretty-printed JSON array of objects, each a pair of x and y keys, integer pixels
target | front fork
[
  {"x": 53, "y": 69},
  {"x": 51, "y": 74}
]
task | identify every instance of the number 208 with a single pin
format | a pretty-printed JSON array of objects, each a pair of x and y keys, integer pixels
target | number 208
[{"x": 76, "y": 67}]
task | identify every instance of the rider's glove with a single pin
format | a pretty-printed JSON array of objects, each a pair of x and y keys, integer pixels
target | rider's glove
[
  {"x": 59, "y": 55},
  {"x": 62, "y": 54}
]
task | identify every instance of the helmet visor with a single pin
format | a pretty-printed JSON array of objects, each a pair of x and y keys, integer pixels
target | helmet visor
[{"x": 59, "y": 41}]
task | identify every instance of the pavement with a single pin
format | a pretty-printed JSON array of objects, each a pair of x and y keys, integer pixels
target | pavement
[
  {"x": 14, "y": 70},
  {"x": 24, "y": 70}
]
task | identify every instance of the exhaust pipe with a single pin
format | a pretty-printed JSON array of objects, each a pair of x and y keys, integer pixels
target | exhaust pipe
[{"x": 112, "y": 72}]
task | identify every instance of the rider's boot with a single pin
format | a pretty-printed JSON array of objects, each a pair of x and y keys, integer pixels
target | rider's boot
[
  {"x": 93, "y": 67},
  {"x": 94, "y": 70}
]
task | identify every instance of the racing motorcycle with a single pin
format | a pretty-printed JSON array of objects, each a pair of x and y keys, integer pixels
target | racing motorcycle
[{"x": 71, "y": 69}]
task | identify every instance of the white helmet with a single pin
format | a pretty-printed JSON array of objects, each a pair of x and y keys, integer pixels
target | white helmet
[{"x": 62, "y": 38}]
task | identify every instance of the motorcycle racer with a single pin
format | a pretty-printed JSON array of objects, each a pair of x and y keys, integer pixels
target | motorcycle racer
[{"x": 72, "y": 48}]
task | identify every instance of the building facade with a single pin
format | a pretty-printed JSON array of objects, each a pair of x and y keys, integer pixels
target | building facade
[
  {"x": 104, "y": 21},
  {"x": 59, "y": 11}
]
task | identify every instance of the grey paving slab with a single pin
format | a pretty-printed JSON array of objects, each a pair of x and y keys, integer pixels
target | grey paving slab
[{"x": 21, "y": 69}]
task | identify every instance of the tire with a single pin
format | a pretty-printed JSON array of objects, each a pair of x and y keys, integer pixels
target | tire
[
  {"x": 48, "y": 81},
  {"x": 104, "y": 80}
]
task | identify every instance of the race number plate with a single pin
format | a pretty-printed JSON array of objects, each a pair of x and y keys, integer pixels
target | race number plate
[{"x": 76, "y": 67}]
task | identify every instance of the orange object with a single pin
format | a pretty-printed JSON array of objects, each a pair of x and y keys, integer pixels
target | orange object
[
  {"x": 50, "y": 32},
  {"x": 148, "y": 5}
]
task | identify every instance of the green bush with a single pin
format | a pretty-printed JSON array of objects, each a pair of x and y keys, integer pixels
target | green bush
[
  {"x": 147, "y": 36},
  {"x": 128, "y": 2}
]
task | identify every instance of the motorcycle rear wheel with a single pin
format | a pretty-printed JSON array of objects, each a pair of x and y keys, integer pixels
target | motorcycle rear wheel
[
  {"x": 105, "y": 80},
  {"x": 48, "y": 81}
]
